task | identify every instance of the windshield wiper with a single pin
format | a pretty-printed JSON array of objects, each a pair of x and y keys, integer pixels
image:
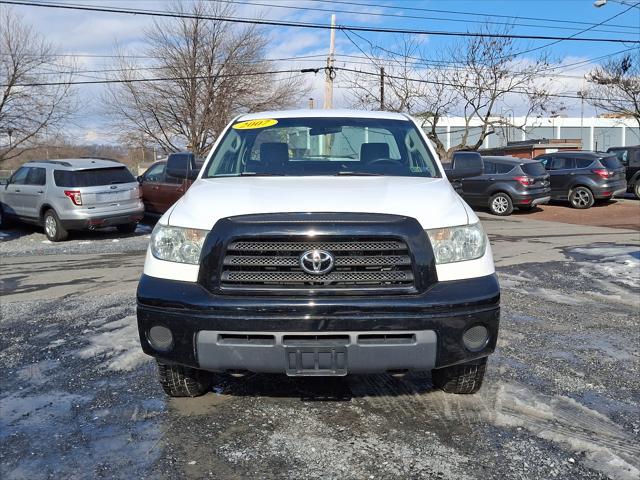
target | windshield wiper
[
  {"x": 356, "y": 174},
  {"x": 260, "y": 174}
]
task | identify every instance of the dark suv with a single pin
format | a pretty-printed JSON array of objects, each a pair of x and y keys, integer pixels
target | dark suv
[
  {"x": 630, "y": 158},
  {"x": 583, "y": 177},
  {"x": 507, "y": 182}
]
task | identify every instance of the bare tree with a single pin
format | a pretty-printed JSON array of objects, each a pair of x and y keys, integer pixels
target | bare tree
[
  {"x": 473, "y": 79},
  {"x": 615, "y": 87},
  {"x": 211, "y": 71},
  {"x": 29, "y": 110}
]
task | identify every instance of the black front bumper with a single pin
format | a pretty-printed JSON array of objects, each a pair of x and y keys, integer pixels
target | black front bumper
[{"x": 446, "y": 308}]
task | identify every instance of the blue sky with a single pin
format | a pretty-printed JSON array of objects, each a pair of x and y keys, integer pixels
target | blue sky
[{"x": 79, "y": 32}]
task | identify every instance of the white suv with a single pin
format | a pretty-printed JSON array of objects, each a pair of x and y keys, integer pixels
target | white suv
[{"x": 320, "y": 243}]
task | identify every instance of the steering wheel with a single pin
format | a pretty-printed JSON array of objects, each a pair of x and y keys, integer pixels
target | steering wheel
[{"x": 385, "y": 161}]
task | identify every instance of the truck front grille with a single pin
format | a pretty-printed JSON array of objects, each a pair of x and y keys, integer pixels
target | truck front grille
[{"x": 359, "y": 265}]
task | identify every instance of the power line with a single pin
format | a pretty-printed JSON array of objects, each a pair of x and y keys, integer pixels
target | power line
[
  {"x": 457, "y": 85},
  {"x": 397, "y": 15},
  {"x": 159, "y": 79},
  {"x": 282, "y": 23},
  {"x": 485, "y": 15},
  {"x": 274, "y": 72},
  {"x": 572, "y": 37},
  {"x": 444, "y": 62}
]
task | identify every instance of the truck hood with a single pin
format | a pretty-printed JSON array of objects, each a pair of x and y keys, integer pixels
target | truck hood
[{"x": 432, "y": 201}]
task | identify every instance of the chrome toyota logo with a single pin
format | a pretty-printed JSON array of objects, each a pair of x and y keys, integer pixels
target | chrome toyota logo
[{"x": 316, "y": 262}]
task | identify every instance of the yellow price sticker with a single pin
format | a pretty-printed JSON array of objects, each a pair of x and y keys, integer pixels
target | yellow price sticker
[{"x": 258, "y": 123}]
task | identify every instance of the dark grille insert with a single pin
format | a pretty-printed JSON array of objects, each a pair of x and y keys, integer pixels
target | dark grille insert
[
  {"x": 239, "y": 339},
  {"x": 387, "y": 339},
  {"x": 360, "y": 264}
]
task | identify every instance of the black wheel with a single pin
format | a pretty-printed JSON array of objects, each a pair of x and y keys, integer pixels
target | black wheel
[
  {"x": 464, "y": 378},
  {"x": 581, "y": 197},
  {"x": 501, "y": 204},
  {"x": 636, "y": 190},
  {"x": 53, "y": 229},
  {"x": 179, "y": 381},
  {"x": 127, "y": 227},
  {"x": 3, "y": 220}
]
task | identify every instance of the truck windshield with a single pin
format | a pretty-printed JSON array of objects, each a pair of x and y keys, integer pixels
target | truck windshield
[{"x": 322, "y": 146}]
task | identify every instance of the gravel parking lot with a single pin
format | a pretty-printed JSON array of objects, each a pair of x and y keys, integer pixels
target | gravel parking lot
[{"x": 561, "y": 398}]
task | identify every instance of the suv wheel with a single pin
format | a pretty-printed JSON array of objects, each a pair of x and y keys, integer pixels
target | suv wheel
[
  {"x": 464, "y": 378},
  {"x": 581, "y": 197},
  {"x": 501, "y": 204},
  {"x": 53, "y": 229},
  {"x": 179, "y": 381},
  {"x": 127, "y": 227},
  {"x": 636, "y": 190}
]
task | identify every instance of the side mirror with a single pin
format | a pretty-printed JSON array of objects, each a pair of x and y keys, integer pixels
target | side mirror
[
  {"x": 139, "y": 178},
  {"x": 464, "y": 165},
  {"x": 181, "y": 165}
]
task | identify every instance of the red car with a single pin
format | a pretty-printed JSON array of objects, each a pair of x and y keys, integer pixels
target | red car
[{"x": 160, "y": 189}]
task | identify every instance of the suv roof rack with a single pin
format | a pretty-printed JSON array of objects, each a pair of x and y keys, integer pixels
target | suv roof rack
[
  {"x": 101, "y": 158},
  {"x": 53, "y": 162}
]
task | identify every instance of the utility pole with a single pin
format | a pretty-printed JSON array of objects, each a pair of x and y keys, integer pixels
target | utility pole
[
  {"x": 329, "y": 72},
  {"x": 381, "y": 88}
]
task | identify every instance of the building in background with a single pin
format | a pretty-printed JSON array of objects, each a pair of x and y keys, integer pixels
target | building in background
[
  {"x": 533, "y": 148},
  {"x": 596, "y": 133}
]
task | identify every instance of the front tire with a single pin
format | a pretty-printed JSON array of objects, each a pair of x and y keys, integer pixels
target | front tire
[
  {"x": 581, "y": 198},
  {"x": 636, "y": 190},
  {"x": 53, "y": 229},
  {"x": 501, "y": 204},
  {"x": 465, "y": 378},
  {"x": 127, "y": 227},
  {"x": 179, "y": 381}
]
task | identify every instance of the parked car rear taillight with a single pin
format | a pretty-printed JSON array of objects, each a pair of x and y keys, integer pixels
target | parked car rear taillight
[
  {"x": 525, "y": 181},
  {"x": 74, "y": 196},
  {"x": 603, "y": 172}
]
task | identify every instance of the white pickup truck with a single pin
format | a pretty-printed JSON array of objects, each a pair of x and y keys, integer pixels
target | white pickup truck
[{"x": 320, "y": 242}]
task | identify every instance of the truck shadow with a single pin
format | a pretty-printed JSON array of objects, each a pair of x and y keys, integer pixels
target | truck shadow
[{"x": 323, "y": 389}]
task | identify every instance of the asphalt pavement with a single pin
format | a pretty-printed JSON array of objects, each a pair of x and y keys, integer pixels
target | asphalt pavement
[{"x": 561, "y": 398}]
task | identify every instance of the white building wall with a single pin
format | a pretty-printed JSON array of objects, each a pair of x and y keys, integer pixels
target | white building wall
[{"x": 596, "y": 133}]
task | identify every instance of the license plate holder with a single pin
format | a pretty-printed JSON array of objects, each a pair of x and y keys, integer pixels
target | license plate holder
[{"x": 316, "y": 361}]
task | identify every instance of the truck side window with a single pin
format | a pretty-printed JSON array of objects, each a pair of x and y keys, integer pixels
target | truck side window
[{"x": 155, "y": 173}]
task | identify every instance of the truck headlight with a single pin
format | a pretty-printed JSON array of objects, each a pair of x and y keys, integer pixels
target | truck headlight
[
  {"x": 458, "y": 244},
  {"x": 177, "y": 244}
]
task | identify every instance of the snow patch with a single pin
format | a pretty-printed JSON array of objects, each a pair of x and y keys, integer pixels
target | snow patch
[
  {"x": 118, "y": 345},
  {"x": 618, "y": 263},
  {"x": 562, "y": 420}
]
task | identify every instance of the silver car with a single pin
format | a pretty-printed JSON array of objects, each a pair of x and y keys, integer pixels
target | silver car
[{"x": 73, "y": 194}]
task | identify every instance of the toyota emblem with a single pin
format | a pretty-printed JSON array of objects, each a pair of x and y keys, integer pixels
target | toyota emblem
[{"x": 316, "y": 262}]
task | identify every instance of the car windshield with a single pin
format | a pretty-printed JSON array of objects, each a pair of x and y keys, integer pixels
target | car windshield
[
  {"x": 92, "y": 177},
  {"x": 322, "y": 146}
]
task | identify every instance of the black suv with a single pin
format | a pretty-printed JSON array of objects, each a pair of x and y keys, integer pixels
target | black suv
[
  {"x": 583, "y": 177},
  {"x": 507, "y": 182},
  {"x": 630, "y": 158}
]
